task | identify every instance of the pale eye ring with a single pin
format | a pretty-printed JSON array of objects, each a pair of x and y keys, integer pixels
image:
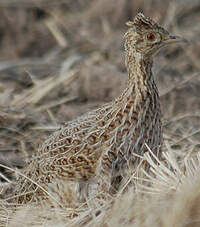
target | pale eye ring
[{"x": 153, "y": 37}]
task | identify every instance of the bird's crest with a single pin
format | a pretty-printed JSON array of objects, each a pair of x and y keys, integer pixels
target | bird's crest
[{"x": 140, "y": 21}]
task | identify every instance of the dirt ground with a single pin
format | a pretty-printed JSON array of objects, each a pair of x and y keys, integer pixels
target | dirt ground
[{"x": 60, "y": 59}]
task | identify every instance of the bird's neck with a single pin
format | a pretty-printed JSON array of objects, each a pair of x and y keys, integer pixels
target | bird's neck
[
  {"x": 139, "y": 69},
  {"x": 141, "y": 81}
]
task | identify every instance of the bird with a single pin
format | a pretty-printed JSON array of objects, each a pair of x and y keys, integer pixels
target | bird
[{"x": 111, "y": 139}]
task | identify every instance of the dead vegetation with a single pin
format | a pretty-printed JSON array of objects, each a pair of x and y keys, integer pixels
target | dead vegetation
[{"x": 60, "y": 59}]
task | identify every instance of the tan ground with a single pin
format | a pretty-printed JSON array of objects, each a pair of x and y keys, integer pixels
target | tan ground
[{"x": 59, "y": 59}]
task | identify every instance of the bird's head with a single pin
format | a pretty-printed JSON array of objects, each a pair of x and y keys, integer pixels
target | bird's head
[{"x": 145, "y": 36}]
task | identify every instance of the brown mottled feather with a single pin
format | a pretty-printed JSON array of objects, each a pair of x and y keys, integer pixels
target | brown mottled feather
[{"x": 105, "y": 141}]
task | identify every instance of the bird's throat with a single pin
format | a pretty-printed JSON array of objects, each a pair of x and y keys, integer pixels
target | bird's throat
[{"x": 141, "y": 81}]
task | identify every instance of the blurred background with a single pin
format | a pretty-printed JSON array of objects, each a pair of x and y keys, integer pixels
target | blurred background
[{"x": 62, "y": 58}]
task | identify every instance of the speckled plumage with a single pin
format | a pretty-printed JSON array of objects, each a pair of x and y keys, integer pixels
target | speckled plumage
[{"x": 105, "y": 141}]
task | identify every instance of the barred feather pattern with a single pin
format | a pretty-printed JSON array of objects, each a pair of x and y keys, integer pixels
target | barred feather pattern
[{"x": 103, "y": 141}]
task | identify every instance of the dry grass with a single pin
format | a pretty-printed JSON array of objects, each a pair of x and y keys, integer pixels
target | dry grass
[
  {"x": 65, "y": 52},
  {"x": 170, "y": 197}
]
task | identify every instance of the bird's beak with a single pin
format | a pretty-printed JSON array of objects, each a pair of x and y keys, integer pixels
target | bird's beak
[{"x": 175, "y": 39}]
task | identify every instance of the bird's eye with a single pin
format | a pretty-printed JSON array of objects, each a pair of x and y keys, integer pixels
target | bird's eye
[{"x": 151, "y": 36}]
